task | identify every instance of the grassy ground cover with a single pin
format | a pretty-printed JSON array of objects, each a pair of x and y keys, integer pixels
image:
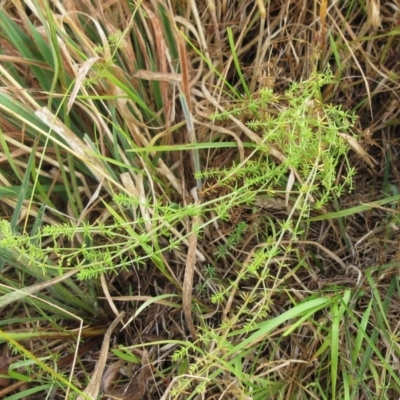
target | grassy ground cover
[{"x": 199, "y": 200}]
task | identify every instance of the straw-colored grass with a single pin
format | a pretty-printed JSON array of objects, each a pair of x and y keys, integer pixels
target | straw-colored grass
[{"x": 199, "y": 200}]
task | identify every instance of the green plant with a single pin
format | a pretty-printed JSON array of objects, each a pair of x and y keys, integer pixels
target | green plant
[{"x": 306, "y": 135}]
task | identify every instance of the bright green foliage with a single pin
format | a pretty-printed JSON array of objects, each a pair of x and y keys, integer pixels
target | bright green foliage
[{"x": 304, "y": 130}]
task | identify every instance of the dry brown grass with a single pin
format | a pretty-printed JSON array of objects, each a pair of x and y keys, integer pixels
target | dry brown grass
[{"x": 276, "y": 44}]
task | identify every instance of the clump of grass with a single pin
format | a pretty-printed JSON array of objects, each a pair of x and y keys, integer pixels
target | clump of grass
[{"x": 105, "y": 133}]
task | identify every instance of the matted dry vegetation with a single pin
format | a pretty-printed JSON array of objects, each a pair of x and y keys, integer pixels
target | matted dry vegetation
[{"x": 153, "y": 243}]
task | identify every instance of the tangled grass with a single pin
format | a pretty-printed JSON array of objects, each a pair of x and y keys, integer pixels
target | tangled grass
[{"x": 199, "y": 200}]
